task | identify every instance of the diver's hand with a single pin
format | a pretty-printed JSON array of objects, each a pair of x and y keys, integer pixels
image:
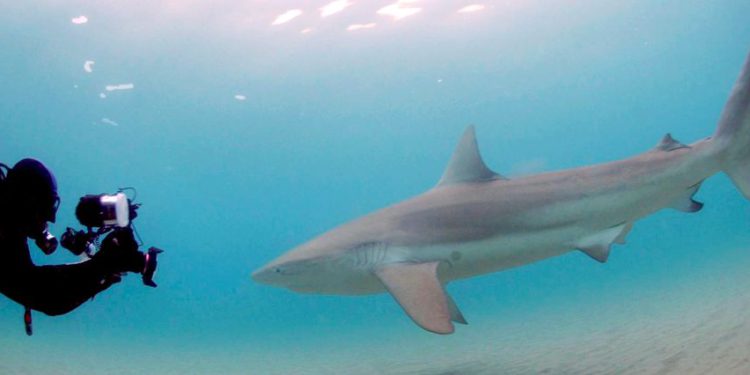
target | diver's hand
[{"x": 119, "y": 252}]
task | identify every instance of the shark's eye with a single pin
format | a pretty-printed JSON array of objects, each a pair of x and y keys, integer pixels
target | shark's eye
[{"x": 278, "y": 270}]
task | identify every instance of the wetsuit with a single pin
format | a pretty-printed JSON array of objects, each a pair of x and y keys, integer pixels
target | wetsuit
[{"x": 58, "y": 289}]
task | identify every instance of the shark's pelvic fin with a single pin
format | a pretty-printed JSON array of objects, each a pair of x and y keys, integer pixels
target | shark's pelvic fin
[
  {"x": 621, "y": 237},
  {"x": 598, "y": 245},
  {"x": 685, "y": 202},
  {"x": 419, "y": 292},
  {"x": 466, "y": 164},
  {"x": 670, "y": 144}
]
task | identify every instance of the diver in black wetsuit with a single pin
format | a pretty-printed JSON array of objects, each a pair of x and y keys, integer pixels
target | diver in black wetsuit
[{"x": 28, "y": 200}]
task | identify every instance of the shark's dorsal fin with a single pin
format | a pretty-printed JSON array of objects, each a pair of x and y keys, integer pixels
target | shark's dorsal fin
[
  {"x": 466, "y": 164},
  {"x": 668, "y": 143},
  {"x": 419, "y": 292}
]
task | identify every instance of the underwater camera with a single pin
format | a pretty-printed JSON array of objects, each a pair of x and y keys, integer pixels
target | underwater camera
[{"x": 101, "y": 214}]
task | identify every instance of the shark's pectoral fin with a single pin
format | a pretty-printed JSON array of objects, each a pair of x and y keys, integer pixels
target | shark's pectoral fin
[
  {"x": 685, "y": 202},
  {"x": 598, "y": 245},
  {"x": 419, "y": 292}
]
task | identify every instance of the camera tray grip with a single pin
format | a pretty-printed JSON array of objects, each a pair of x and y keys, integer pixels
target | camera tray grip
[{"x": 150, "y": 268}]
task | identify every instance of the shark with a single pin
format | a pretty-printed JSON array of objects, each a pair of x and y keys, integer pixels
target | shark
[{"x": 476, "y": 221}]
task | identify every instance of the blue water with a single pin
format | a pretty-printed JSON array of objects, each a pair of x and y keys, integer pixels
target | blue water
[{"x": 338, "y": 123}]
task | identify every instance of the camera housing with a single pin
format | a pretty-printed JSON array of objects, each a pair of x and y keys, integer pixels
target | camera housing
[
  {"x": 101, "y": 214},
  {"x": 106, "y": 211}
]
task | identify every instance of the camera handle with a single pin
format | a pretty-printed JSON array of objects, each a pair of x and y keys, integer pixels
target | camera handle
[{"x": 148, "y": 271}]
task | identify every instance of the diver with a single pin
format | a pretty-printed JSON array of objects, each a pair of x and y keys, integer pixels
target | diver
[{"x": 28, "y": 200}]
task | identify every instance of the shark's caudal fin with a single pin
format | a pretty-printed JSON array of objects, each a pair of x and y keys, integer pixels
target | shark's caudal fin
[{"x": 733, "y": 134}]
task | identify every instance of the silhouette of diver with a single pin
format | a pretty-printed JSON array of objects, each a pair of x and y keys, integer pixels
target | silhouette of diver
[{"x": 28, "y": 200}]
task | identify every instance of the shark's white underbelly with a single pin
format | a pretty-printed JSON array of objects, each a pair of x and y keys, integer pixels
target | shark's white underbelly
[{"x": 457, "y": 261}]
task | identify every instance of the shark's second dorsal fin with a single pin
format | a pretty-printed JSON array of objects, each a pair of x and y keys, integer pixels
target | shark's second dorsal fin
[
  {"x": 466, "y": 164},
  {"x": 668, "y": 143}
]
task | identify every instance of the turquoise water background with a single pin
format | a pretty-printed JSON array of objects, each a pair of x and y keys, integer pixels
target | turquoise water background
[{"x": 336, "y": 124}]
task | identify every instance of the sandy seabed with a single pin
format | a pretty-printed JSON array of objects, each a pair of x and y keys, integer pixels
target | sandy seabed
[
  {"x": 694, "y": 324},
  {"x": 697, "y": 325},
  {"x": 712, "y": 339}
]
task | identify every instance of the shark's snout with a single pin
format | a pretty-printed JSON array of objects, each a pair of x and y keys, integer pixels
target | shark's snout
[
  {"x": 280, "y": 273},
  {"x": 265, "y": 275}
]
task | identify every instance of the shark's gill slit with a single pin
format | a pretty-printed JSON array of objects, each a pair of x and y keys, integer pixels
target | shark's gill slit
[{"x": 369, "y": 254}]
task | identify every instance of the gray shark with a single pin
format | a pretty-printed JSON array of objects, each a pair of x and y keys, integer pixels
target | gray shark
[{"x": 476, "y": 221}]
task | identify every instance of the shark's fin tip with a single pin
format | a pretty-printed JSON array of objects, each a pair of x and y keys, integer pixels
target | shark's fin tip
[
  {"x": 597, "y": 253},
  {"x": 416, "y": 287},
  {"x": 456, "y": 315}
]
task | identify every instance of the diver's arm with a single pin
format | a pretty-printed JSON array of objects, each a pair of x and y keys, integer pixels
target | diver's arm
[
  {"x": 58, "y": 289},
  {"x": 55, "y": 290}
]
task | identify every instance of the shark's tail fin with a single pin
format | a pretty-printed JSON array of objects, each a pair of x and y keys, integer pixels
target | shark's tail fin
[{"x": 733, "y": 135}]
